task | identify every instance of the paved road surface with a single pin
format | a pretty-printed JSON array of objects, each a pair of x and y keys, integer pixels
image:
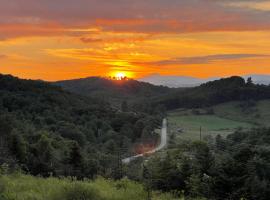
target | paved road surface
[{"x": 163, "y": 143}]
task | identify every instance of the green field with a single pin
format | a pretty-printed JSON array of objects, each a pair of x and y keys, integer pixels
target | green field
[
  {"x": 186, "y": 125},
  {"x": 258, "y": 114}
]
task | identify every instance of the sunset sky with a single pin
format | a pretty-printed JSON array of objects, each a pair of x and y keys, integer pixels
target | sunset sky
[{"x": 64, "y": 39}]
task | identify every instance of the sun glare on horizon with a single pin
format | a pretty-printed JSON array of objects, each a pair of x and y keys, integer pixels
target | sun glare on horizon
[{"x": 120, "y": 75}]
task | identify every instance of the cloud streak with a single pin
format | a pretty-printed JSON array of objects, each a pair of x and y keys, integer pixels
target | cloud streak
[
  {"x": 206, "y": 59},
  {"x": 3, "y": 56}
]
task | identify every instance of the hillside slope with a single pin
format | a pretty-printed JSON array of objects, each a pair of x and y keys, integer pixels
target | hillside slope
[{"x": 46, "y": 130}]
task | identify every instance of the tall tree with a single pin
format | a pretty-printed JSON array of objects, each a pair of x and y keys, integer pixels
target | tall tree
[{"x": 76, "y": 160}]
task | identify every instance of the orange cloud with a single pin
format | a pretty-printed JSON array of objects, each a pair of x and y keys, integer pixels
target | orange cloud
[{"x": 25, "y": 30}]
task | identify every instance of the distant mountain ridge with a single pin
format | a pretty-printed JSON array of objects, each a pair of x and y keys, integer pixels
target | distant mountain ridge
[
  {"x": 259, "y": 79},
  {"x": 186, "y": 81}
]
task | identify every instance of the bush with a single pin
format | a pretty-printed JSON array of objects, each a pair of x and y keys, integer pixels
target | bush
[
  {"x": 2, "y": 186},
  {"x": 77, "y": 191},
  {"x": 2, "y": 189},
  {"x": 195, "y": 112}
]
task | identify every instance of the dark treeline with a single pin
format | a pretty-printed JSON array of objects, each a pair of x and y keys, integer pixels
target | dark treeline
[
  {"x": 212, "y": 93},
  {"x": 47, "y": 131},
  {"x": 237, "y": 167}
]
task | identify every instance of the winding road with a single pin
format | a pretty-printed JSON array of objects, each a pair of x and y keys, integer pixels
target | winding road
[{"x": 163, "y": 143}]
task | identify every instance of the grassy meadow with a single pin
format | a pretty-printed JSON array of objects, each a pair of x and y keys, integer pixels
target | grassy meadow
[
  {"x": 258, "y": 113},
  {"x": 223, "y": 120}
]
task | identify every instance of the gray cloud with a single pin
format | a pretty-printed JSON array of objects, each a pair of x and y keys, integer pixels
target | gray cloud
[
  {"x": 207, "y": 59},
  {"x": 152, "y": 16}
]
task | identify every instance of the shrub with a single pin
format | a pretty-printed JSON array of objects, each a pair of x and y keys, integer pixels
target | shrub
[
  {"x": 77, "y": 191},
  {"x": 2, "y": 189}
]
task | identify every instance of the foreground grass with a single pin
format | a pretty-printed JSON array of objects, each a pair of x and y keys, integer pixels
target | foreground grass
[{"x": 23, "y": 187}]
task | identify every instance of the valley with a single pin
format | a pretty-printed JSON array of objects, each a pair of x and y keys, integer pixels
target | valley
[{"x": 155, "y": 142}]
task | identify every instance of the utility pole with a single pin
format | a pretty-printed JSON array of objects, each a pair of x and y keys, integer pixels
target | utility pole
[
  {"x": 200, "y": 133},
  {"x": 120, "y": 164},
  {"x": 148, "y": 181}
]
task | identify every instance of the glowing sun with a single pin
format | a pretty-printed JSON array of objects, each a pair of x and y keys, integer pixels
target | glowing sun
[{"x": 120, "y": 75}]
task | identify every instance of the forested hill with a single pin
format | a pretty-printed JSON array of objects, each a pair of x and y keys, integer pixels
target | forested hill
[
  {"x": 119, "y": 89},
  {"x": 145, "y": 96},
  {"x": 46, "y": 130},
  {"x": 214, "y": 92}
]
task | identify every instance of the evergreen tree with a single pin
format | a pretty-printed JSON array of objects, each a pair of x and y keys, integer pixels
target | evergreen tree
[
  {"x": 18, "y": 147},
  {"x": 124, "y": 106},
  {"x": 249, "y": 82},
  {"x": 75, "y": 155}
]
